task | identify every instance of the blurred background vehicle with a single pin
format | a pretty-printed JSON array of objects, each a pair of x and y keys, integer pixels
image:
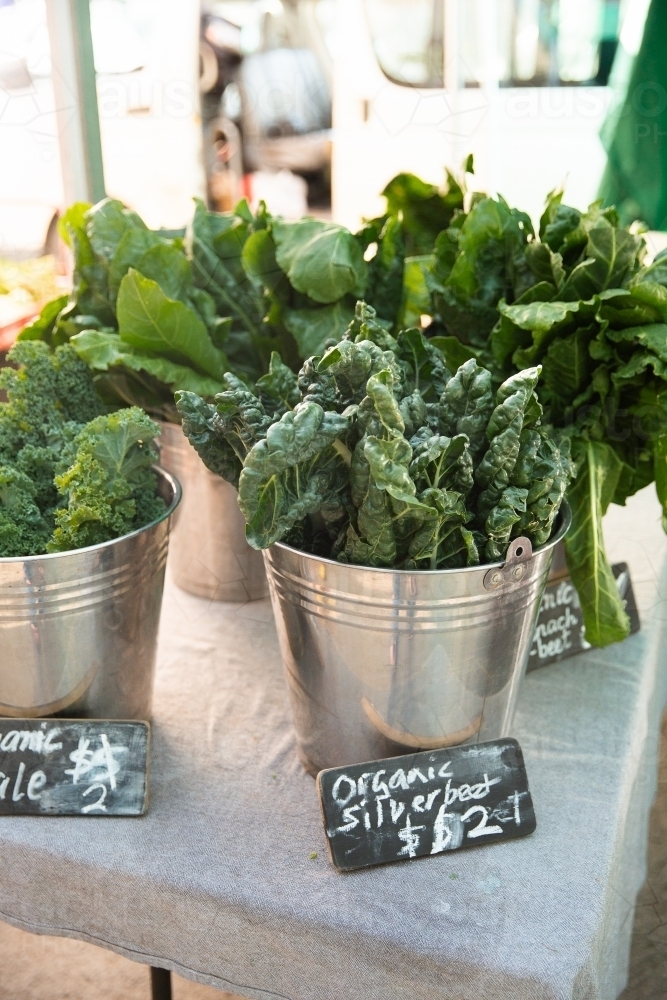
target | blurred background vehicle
[
  {"x": 229, "y": 98},
  {"x": 267, "y": 109},
  {"x": 525, "y": 85}
]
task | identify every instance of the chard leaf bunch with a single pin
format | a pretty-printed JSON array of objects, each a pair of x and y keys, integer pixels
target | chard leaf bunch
[
  {"x": 576, "y": 299},
  {"x": 70, "y": 475},
  {"x": 375, "y": 454}
]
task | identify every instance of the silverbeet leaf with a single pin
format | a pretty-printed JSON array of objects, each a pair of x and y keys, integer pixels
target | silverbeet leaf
[
  {"x": 504, "y": 435},
  {"x": 442, "y": 542},
  {"x": 352, "y": 364},
  {"x": 202, "y": 427},
  {"x": 599, "y": 469},
  {"x": 466, "y": 404},
  {"x": 241, "y": 415},
  {"x": 443, "y": 463},
  {"x": 291, "y": 472},
  {"x": 501, "y": 520},
  {"x": 106, "y": 351},
  {"x": 424, "y": 364},
  {"x": 280, "y": 384},
  {"x": 107, "y": 223}
]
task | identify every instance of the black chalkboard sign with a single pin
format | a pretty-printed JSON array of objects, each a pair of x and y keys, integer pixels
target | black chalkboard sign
[
  {"x": 425, "y": 803},
  {"x": 559, "y": 632},
  {"x": 73, "y": 767}
]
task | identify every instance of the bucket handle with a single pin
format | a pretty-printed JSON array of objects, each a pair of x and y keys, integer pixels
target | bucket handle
[{"x": 513, "y": 570}]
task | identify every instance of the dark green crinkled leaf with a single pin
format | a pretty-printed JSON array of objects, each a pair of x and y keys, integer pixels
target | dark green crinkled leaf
[
  {"x": 204, "y": 431},
  {"x": 352, "y": 364},
  {"x": 280, "y": 384},
  {"x": 365, "y": 325},
  {"x": 443, "y": 463},
  {"x": 504, "y": 434},
  {"x": 466, "y": 404},
  {"x": 291, "y": 472},
  {"x": 441, "y": 542},
  {"x": 501, "y": 520},
  {"x": 424, "y": 364}
]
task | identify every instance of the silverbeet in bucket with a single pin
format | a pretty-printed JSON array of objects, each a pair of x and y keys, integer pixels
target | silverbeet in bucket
[
  {"x": 380, "y": 662},
  {"x": 78, "y": 630}
]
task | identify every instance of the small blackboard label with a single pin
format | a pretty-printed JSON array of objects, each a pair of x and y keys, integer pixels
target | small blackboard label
[
  {"x": 559, "y": 632},
  {"x": 425, "y": 803},
  {"x": 68, "y": 767}
]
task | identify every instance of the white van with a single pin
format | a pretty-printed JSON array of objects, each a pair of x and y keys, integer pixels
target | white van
[{"x": 521, "y": 84}]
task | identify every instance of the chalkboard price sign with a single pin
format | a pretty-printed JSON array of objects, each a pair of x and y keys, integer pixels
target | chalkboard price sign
[
  {"x": 68, "y": 767},
  {"x": 559, "y": 631},
  {"x": 425, "y": 803}
]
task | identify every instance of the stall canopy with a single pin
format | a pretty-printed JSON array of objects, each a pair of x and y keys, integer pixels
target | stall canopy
[
  {"x": 76, "y": 100},
  {"x": 635, "y": 135}
]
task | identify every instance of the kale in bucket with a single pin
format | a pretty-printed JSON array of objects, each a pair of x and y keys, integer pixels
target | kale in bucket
[
  {"x": 376, "y": 455},
  {"x": 70, "y": 475}
]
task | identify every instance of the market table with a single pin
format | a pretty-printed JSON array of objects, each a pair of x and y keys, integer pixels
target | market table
[{"x": 227, "y": 880}]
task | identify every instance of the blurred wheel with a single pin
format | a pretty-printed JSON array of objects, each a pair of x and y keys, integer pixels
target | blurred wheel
[{"x": 208, "y": 67}]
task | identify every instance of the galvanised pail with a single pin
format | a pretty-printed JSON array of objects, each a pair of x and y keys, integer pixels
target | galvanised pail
[
  {"x": 78, "y": 630},
  {"x": 382, "y": 662},
  {"x": 209, "y": 555}
]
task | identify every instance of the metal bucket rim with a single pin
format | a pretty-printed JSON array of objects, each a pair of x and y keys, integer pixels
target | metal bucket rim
[
  {"x": 175, "y": 500},
  {"x": 564, "y": 520}
]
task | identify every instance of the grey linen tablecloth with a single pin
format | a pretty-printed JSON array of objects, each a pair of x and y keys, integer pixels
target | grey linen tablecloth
[{"x": 217, "y": 881}]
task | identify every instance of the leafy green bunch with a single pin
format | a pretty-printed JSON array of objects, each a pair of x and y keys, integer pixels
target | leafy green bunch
[
  {"x": 376, "y": 455},
  {"x": 70, "y": 476},
  {"x": 152, "y": 312},
  {"x": 135, "y": 314},
  {"x": 399, "y": 285},
  {"x": 575, "y": 299}
]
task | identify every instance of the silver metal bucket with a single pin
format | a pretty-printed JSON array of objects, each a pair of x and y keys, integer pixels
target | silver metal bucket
[
  {"x": 381, "y": 662},
  {"x": 209, "y": 555},
  {"x": 78, "y": 630}
]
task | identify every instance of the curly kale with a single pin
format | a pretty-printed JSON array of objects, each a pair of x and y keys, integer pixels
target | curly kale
[
  {"x": 23, "y": 530},
  {"x": 381, "y": 458},
  {"x": 110, "y": 488},
  {"x": 48, "y": 390},
  {"x": 69, "y": 475}
]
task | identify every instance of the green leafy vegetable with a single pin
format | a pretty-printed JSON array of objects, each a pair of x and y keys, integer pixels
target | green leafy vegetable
[
  {"x": 321, "y": 259},
  {"x": 150, "y": 321},
  {"x": 376, "y": 455},
  {"x": 109, "y": 488},
  {"x": 590, "y": 496},
  {"x": 69, "y": 475}
]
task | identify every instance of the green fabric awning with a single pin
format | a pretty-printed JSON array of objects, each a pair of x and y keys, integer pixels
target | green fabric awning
[{"x": 635, "y": 135}]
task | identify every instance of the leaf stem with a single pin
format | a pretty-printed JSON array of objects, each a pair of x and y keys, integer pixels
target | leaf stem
[{"x": 342, "y": 450}]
